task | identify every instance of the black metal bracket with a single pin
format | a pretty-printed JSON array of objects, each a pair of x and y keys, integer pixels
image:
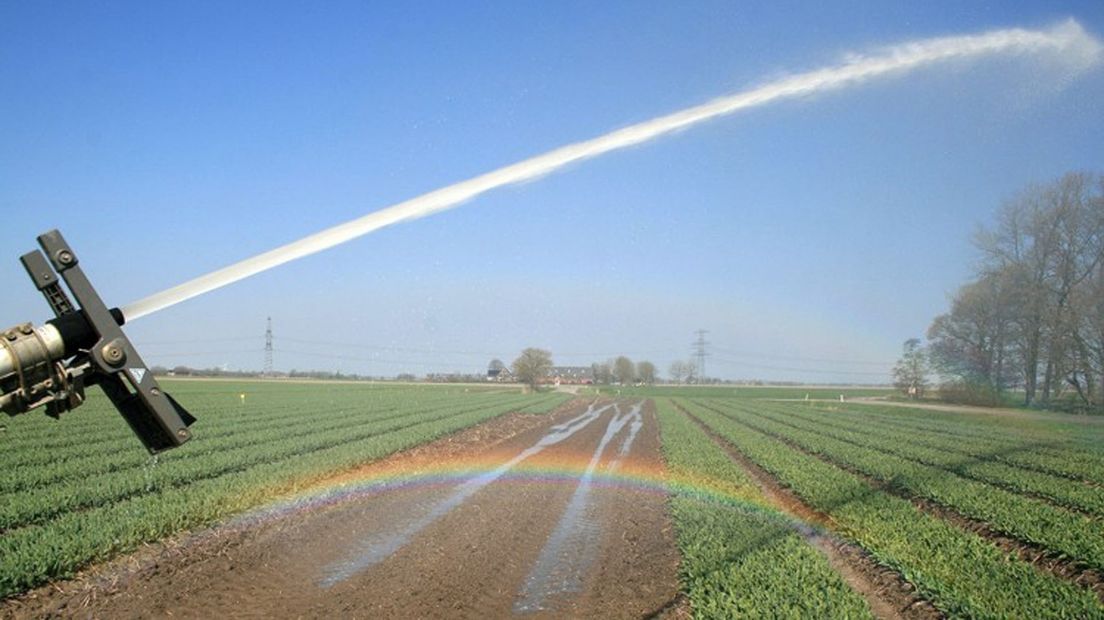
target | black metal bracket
[
  {"x": 47, "y": 282},
  {"x": 107, "y": 356}
]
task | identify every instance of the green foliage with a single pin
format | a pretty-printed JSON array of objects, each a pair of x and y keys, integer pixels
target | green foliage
[
  {"x": 970, "y": 457},
  {"x": 975, "y": 393},
  {"x": 1025, "y": 518},
  {"x": 740, "y": 559},
  {"x": 960, "y": 572}
]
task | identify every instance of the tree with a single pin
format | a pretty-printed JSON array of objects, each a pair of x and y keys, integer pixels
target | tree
[
  {"x": 972, "y": 343},
  {"x": 1047, "y": 247},
  {"x": 1031, "y": 317},
  {"x": 624, "y": 370},
  {"x": 1088, "y": 380},
  {"x": 677, "y": 370},
  {"x": 603, "y": 372},
  {"x": 691, "y": 370},
  {"x": 532, "y": 365},
  {"x": 646, "y": 372},
  {"x": 911, "y": 372}
]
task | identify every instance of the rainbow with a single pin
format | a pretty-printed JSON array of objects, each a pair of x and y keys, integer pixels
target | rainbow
[{"x": 378, "y": 479}]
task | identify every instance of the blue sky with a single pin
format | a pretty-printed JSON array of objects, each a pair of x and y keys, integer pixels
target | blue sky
[{"x": 810, "y": 237}]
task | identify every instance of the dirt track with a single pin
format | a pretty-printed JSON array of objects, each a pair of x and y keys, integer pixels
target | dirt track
[{"x": 485, "y": 545}]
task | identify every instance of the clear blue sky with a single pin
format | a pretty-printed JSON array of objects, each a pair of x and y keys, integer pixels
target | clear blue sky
[{"x": 170, "y": 140}]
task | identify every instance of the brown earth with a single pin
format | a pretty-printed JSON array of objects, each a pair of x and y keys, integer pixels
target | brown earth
[{"x": 471, "y": 554}]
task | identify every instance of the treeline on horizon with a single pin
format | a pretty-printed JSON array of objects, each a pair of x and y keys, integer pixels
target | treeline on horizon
[{"x": 1031, "y": 321}]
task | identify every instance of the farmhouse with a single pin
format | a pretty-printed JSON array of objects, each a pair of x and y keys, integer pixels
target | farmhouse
[{"x": 499, "y": 374}]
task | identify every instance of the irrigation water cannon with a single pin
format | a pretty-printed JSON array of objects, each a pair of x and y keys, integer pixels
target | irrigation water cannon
[{"x": 49, "y": 366}]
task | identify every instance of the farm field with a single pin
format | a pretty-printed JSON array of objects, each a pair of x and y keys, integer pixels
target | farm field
[
  {"x": 82, "y": 489},
  {"x": 979, "y": 518},
  {"x": 412, "y": 501}
]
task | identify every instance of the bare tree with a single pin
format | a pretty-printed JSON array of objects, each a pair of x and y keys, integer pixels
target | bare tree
[
  {"x": 603, "y": 372},
  {"x": 691, "y": 370},
  {"x": 532, "y": 365},
  {"x": 1035, "y": 303},
  {"x": 646, "y": 372},
  {"x": 677, "y": 370},
  {"x": 624, "y": 370},
  {"x": 1088, "y": 378},
  {"x": 911, "y": 372},
  {"x": 971, "y": 343}
]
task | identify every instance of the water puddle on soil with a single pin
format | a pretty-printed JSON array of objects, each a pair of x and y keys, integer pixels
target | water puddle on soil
[
  {"x": 380, "y": 545},
  {"x": 570, "y": 550}
]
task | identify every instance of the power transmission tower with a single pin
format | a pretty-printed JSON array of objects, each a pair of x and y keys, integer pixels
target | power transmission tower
[
  {"x": 701, "y": 353},
  {"x": 268, "y": 350}
]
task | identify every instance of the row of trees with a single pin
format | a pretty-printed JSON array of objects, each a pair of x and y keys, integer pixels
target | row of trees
[
  {"x": 683, "y": 372},
  {"x": 535, "y": 365},
  {"x": 1033, "y": 316},
  {"x": 623, "y": 371}
]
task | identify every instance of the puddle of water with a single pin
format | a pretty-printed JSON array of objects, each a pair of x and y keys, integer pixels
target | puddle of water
[
  {"x": 570, "y": 550},
  {"x": 380, "y": 545}
]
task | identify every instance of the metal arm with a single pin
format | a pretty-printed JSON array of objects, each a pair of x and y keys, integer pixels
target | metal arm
[{"x": 50, "y": 365}]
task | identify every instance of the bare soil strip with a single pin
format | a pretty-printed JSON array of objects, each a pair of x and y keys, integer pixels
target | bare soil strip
[
  {"x": 1039, "y": 557},
  {"x": 472, "y": 561},
  {"x": 887, "y": 592}
]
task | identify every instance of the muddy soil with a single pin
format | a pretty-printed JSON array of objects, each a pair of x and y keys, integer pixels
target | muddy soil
[{"x": 522, "y": 529}]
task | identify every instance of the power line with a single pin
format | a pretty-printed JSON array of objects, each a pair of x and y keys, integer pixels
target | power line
[
  {"x": 355, "y": 345},
  {"x": 366, "y": 360},
  {"x": 808, "y": 370},
  {"x": 800, "y": 359},
  {"x": 198, "y": 353},
  {"x": 148, "y": 343}
]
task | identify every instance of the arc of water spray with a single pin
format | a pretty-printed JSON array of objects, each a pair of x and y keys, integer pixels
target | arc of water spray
[{"x": 1067, "y": 40}]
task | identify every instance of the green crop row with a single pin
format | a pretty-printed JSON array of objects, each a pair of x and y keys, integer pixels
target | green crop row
[
  {"x": 97, "y": 427},
  {"x": 960, "y": 572},
  {"x": 950, "y": 455},
  {"x": 202, "y": 397},
  {"x": 739, "y": 558},
  {"x": 1069, "y": 433},
  {"x": 37, "y": 505},
  {"x": 227, "y": 430},
  {"x": 1030, "y": 520},
  {"x": 1036, "y": 450}
]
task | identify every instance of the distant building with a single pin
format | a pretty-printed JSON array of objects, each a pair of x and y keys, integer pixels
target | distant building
[
  {"x": 497, "y": 371},
  {"x": 570, "y": 375}
]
